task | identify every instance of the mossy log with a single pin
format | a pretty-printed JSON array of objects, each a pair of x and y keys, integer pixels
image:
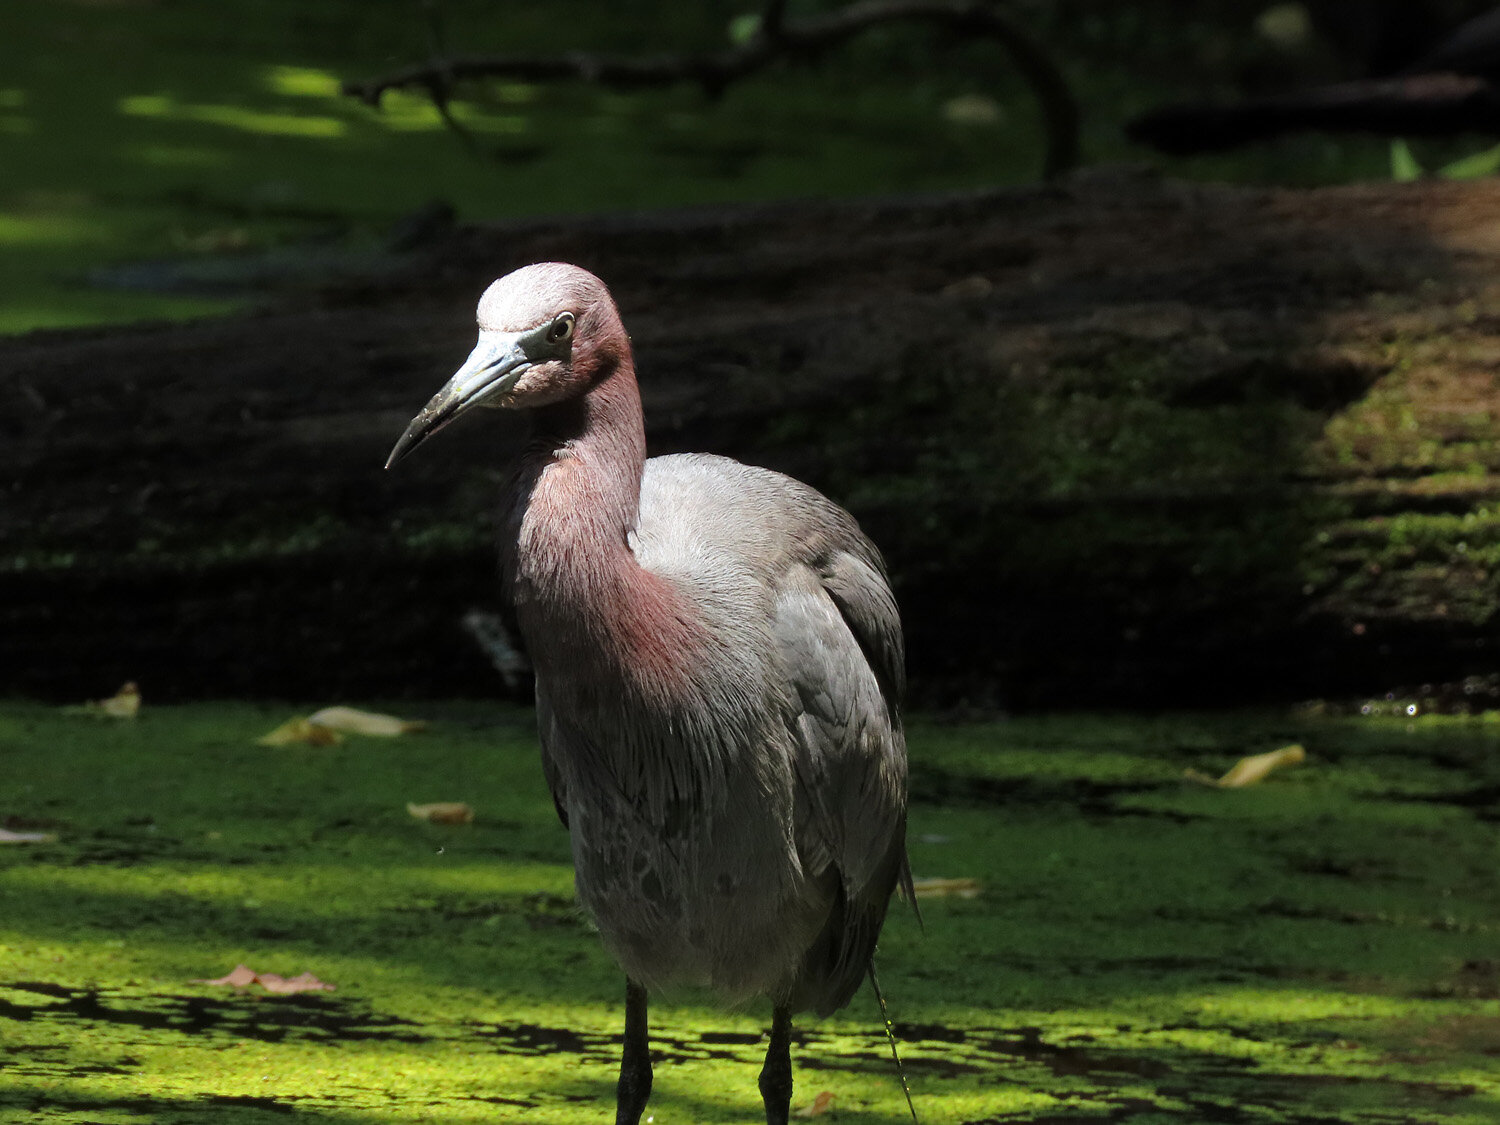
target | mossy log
[{"x": 1121, "y": 439}]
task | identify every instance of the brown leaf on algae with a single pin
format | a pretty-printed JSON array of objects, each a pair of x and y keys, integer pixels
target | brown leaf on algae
[
  {"x": 820, "y": 1105},
  {"x": 946, "y": 888},
  {"x": 301, "y": 730},
  {"x": 302, "y": 982},
  {"x": 124, "y": 704},
  {"x": 1248, "y": 771},
  {"x": 243, "y": 976},
  {"x": 239, "y": 977},
  {"x": 351, "y": 720},
  {"x": 9, "y": 837},
  {"x": 442, "y": 812}
]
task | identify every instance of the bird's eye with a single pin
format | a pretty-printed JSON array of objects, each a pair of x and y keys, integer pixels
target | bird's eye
[{"x": 562, "y": 329}]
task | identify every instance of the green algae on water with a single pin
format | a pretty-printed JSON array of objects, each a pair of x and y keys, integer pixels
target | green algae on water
[{"x": 1323, "y": 946}]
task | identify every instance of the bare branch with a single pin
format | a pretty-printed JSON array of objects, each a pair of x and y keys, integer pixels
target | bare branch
[
  {"x": 440, "y": 84},
  {"x": 776, "y": 38}
]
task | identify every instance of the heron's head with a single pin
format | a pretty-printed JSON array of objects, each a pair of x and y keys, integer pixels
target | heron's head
[{"x": 547, "y": 332}]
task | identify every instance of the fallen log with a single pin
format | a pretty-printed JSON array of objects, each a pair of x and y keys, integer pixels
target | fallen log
[{"x": 1122, "y": 439}]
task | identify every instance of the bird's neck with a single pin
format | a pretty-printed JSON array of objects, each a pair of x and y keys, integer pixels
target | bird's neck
[
  {"x": 581, "y": 596},
  {"x": 598, "y": 441}
]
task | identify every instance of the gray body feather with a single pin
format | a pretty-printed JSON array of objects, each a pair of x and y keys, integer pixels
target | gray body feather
[{"x": 737, "y": 820}]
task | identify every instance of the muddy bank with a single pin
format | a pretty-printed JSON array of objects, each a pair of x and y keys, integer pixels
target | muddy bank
[{"x": 1122, "y": 440}]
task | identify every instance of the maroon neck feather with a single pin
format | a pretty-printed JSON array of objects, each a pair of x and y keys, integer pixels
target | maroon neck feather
[
  {"x": 599, "y": 439},
  {"x": 582, "y": 599}
]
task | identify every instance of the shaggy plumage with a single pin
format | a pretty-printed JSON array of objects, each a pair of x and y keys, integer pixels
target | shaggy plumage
[{"x": 718, "y": 666}]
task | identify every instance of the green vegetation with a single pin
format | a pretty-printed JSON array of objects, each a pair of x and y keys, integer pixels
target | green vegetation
[
  {"x": 1155, "y": 478},
  {"x": 145, "y": 130},
  {"x": 1322, "y": 947}
]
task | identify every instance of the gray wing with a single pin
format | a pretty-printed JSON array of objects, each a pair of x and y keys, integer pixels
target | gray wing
[
  {"x": 756, "y": 546},
  {"x": 840, "y": 636},
  {"x": 858, "y": 585}
]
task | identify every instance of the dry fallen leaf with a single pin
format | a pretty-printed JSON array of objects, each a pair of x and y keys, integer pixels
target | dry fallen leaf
[
  {"x": 239, "y": 976},
  {"x": 1248, "y": 771},
  {"x": 301, "y": 730},
  {"x": 124, "y": 704},
  {"x": 324, "y": 727},
  {"x": 351, "y": 720},
  {"x": 820, "y": 1105},
  {"x": 9, "y": 837},
  {"x": 302, "y": 982},
  {"x": 442, "y": 812},
  {"x": 243, "y": 976},
  {"x": 946, "y": 888}
]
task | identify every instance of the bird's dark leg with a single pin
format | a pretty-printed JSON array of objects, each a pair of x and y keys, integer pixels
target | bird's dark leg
[
  {"x": 776, "y": 1075},
  {"x": 635, "y": 1059}
]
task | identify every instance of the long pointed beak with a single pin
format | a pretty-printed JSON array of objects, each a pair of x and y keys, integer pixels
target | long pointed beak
[{"x": 493, "y": 368}]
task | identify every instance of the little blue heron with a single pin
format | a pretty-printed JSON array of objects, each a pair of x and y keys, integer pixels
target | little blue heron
[{"x": 719, "y": 666}]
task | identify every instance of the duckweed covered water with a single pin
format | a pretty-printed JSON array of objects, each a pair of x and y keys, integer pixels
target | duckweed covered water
[{"x": 1324, "y": 947}]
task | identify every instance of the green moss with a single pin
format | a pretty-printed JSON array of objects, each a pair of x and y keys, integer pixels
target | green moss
[
  {"x": 1420, "y": 539},
  {"x": 1143, "y": 950},
  {"x": 1159, "y": 487}
]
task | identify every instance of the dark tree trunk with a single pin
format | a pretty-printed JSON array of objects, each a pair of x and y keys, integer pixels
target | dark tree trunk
[{"x": 1122, "y": 440}]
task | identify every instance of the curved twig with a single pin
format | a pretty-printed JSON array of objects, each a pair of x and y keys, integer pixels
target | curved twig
[
  {"x": 440, "y": 84},
  {"x": 776, "y": 37}
]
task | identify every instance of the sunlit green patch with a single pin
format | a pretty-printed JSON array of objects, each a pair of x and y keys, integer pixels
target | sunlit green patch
[
  {"x": 42, "y": 229},
  {"x": 232, "y": 116},
  {"x": 402, "y": 112},
  {"x": 302, "y": 82},
  {"x": 1322, "y": 947},
  {"x": 66, "y": 311}
]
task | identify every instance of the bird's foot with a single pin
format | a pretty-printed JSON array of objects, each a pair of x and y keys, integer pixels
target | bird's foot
[
  {"x": 635, "y": 1060},
  {"x": 776, "y": 1075}
]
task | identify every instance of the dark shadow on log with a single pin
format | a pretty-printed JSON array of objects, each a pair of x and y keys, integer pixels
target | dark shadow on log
[
  {"x": 1428, "y": 105},
  {"x": 1122, "y": 440}
]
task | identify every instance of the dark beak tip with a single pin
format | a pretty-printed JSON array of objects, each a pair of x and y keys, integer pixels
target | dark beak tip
[
  {"x": 482, "y": 374},
  {"x": 404, "y": 445}
]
